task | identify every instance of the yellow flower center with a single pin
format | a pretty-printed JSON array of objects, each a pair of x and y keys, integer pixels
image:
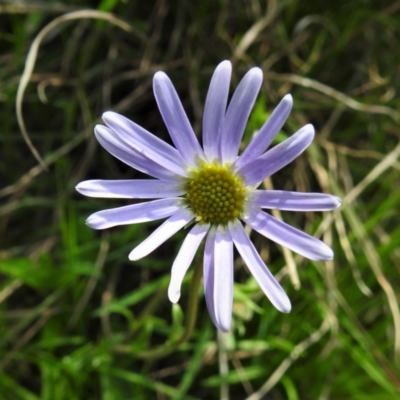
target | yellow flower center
[{"x": 215, "y": 194}]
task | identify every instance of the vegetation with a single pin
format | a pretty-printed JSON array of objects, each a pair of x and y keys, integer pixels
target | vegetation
[{"x": 78, "y": 320}]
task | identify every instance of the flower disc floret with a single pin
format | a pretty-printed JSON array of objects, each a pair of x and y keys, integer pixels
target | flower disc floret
[{"x": 215, "y": 194}]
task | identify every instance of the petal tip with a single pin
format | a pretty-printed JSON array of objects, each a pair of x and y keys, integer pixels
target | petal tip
[
  {"x": 326, "y": 253},
  {"x": 100, "y": 129},
  {"x": 256, "y": 72},
  {"x": 308, "y": 133},
  {"x": 96, "y": 222},
  {"x": 109, "y": 117},
  {"x": 133, "y": 256},
  {"x": 81, "y": 188},
  {"x": 159, "y": 75},
  {"x": 106, "y": 114},
  {"x": 282, "y": 302},
  {"x": 288, "y": 99},
  {"x": 223, "y": 319},
  {"x": 286, "y": 306},
  {"x": 226, "y": 64},
  {"x": 174, "y": 295},
  {"x": 330, "y": 256},
  {"x": 338, "y": 201},
  {"x": 224, "y": 328},
  {"x": 309, "y": 128}
]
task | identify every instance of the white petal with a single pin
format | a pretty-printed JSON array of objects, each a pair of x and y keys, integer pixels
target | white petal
[
  {"x": 215, "y": 108},
  {"x": 287, "y": 236},
  {"x": 134, "y": 213},
  {"x": 269, "y": 285},
  {"x": 175, "y": 119},
  {"x": 238, "y": 113},
  {"x": 145, "y": 143},
  {"x": 130, "y": 188},
  {"x": 293, "y": 201},
  {"x": 208, "y": 274},
  {"x": 268, "y": 131},
  {"x": 184, "y": 259},
  {"x": 161, "y": 234},
  {"x": 278, "y": 157},
  {"x": 223, "y": 279},
  {"x": 127, "y": 154}
]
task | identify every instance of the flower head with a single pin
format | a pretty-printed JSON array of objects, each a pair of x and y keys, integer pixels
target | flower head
[{"x": 211, "y": 187}]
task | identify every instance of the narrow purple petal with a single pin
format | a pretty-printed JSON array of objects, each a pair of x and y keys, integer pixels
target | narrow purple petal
[
  {"x": 287, "y": 236},
  {"x": 238, "y": 113},
  {"x": 215, "y": 108},
  {"x": 145, "y": 143},
  {"x": 161, "y": 234},
  {"x": 130, "y": 188},
  {"x": 134, "y": 213},
  {"x": 223, "y": 279},
  {"x": 184, "y": 259},
  {"x": 127, "y": 154},
  {"x": 208, "y": 274},
  {"x": 293, "y": 201},
  {"x": 176, "y": 120},
  {"x": 266, "y": 134},
  {"x": 278, "y": 157},
  {"x": 269, "y": 285}
]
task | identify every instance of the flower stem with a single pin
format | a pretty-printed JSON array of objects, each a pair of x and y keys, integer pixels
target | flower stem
[{"x": 193, "y": 303}]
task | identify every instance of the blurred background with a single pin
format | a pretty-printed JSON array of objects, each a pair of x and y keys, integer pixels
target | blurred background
[{"x": 78, "y": 319}]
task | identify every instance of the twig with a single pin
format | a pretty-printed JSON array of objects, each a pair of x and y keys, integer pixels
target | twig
[{"x": 31, "y": 59}]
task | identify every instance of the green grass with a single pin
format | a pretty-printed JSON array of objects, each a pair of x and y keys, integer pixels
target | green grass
[{"x": 77, "y": 318}]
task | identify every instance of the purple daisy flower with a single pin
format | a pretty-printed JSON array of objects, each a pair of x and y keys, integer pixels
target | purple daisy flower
[{"x": 211, "y": 187}]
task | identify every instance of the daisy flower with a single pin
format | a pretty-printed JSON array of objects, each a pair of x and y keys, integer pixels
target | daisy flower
[{"x": 210, "y": 188}]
